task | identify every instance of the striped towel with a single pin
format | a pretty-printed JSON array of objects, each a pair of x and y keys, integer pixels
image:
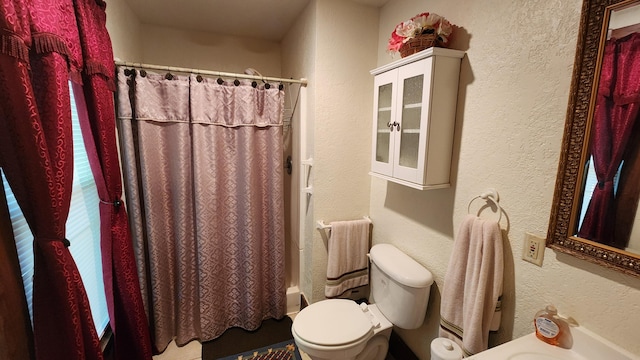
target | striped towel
[
  {"x": 347, "y": 263},
  {"x": 473, "y": 285}
]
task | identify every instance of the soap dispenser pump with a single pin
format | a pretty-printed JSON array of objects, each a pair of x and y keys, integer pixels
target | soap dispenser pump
[{"x": 551, "y": 328}]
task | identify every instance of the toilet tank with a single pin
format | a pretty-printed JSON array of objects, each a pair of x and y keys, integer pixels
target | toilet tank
[{"x": 400, "y": 286}]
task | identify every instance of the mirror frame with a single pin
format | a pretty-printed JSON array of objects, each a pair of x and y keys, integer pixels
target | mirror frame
[{"x": 591, "y": 37}]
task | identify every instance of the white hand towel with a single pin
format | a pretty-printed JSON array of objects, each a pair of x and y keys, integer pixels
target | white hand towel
[
  {"x": 347, "y": 263},
  {"x": 473, "y": 285}
]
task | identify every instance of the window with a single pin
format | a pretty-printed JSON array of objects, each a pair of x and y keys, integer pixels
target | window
[
  {"x": 590, "y": 184},
  {"x": 83, "y": 230}
]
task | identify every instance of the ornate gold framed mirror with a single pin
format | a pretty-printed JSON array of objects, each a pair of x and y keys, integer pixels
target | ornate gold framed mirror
[{"x": 587, "y": 199}]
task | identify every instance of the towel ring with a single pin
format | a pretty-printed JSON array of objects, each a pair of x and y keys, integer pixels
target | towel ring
[{"x": 490, "y": 195}]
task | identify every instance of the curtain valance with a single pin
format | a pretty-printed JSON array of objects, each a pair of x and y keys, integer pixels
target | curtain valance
[{"x": 75, "y": 31}]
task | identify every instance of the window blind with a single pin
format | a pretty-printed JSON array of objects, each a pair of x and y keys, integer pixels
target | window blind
[{"x": 83, "y": 231}]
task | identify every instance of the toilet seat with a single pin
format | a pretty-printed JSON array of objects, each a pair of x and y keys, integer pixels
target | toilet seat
[{"x": 333, "y": 322}]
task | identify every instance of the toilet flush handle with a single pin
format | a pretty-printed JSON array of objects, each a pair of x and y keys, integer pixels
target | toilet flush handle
[{"x": 374, "y": 320}]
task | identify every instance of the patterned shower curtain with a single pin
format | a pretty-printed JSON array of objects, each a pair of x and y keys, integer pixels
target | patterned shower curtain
[{"x": 204, "y": 181}]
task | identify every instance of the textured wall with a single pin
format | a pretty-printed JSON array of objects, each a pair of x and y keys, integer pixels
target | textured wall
[
  {"x": 124, "y": 28},
  {"x": 345, "y": 45},
  {"x": 513, "y": 96},
  {"x": 336, "y": 56},
  {"x": 137, "y": 42},
  {"x": 202, "y": 50}
]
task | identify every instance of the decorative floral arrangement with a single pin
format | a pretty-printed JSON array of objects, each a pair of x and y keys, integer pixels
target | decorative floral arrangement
[{"x": 425, "y": 23}]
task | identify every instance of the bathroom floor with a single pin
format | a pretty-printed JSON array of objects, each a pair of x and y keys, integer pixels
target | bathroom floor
[{"x": 193, "y": 351}]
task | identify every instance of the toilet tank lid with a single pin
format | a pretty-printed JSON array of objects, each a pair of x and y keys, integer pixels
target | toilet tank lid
[{"x": 400, "y": 266}]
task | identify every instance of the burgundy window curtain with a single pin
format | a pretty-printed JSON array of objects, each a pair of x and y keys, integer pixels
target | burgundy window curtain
[
  {"x": 44, "y": 43},
  {"x": 616, "y": 112}
]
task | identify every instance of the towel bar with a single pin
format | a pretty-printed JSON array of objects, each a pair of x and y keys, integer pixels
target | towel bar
[{"x": 320, "y": 225}]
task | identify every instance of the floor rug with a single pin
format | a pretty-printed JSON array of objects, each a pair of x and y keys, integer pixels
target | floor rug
[
  {"x": 286, "y": 350},
  {"x": 237, "y": 341}
]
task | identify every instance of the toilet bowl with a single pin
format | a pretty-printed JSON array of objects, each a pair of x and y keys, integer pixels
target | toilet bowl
[{"x": 340, "y": 329}]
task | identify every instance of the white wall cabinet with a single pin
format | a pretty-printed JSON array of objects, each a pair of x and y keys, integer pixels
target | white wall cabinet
[{"x": 414, "y": 118}]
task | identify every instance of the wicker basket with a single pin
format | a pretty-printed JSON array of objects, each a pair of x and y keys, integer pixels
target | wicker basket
[{"x": 418, "y": 43}]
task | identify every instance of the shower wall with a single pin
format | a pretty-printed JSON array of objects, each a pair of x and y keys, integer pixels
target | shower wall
[{"x": 298, "y": 60}]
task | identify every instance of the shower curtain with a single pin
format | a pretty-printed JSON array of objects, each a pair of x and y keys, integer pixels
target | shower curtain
[{"x": 204, "y": 182}]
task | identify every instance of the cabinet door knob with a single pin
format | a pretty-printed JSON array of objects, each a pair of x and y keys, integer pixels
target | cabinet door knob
[{"x": 390, "y": 125}]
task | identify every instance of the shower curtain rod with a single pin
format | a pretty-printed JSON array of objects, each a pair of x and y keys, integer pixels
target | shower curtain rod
[{"x": 302, "y": 81}]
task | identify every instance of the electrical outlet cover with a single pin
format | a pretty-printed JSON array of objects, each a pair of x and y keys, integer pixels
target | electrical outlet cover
[{"x": 533, "y": 249}]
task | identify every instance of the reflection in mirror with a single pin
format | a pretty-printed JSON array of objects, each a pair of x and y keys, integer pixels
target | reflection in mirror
[
  {"x": 595, "y": 203},
  {"x": 611, "y": 180}
]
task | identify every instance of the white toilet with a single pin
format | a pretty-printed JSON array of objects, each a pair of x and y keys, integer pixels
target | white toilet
[{"x": 339, "y": 329}]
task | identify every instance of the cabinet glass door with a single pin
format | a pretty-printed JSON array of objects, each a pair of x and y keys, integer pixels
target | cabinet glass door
[
  {"x": 384, "y": 112},
  {"x": 413, "y": 101},
  {"x": 410, "y": 125},
  {"x": 383, "y": 136}
]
